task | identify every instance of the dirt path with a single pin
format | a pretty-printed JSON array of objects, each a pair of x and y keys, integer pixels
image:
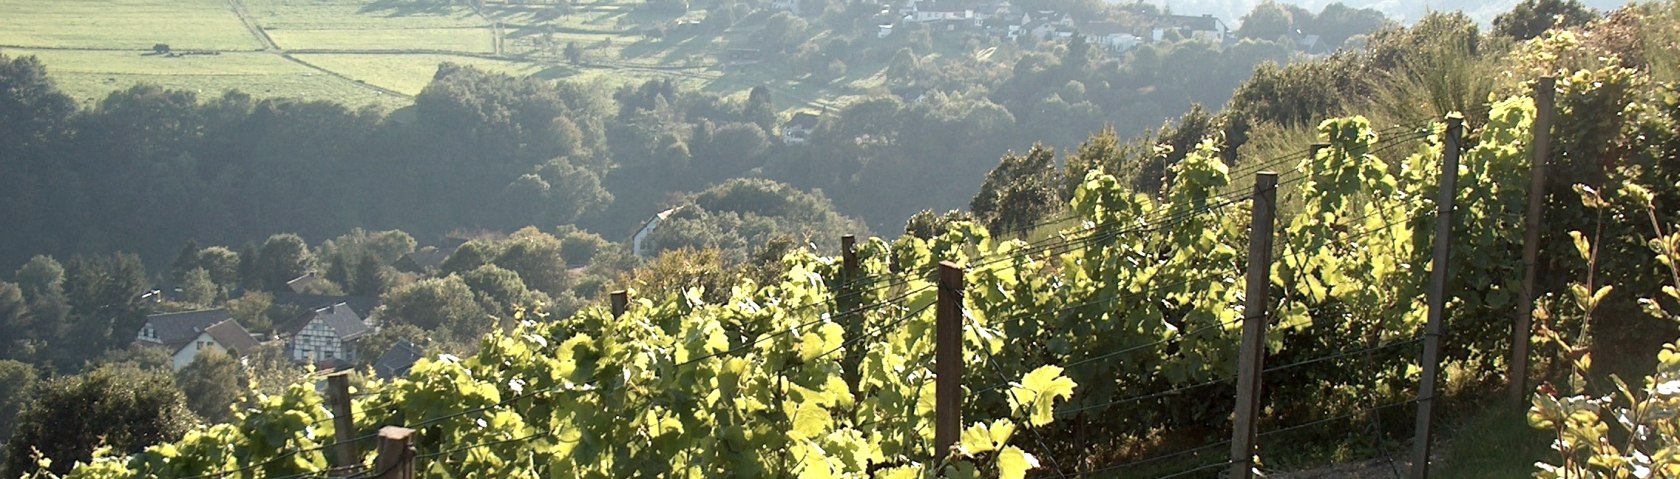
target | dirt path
[
  {"x": 269, "y": 46},
  {"x": 251, "y": 25}
]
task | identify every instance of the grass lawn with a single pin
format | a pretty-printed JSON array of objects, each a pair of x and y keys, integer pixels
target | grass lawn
[
  {"x": 123, "y": 24},
  {"x": 90, "y": 75},
  {"x": 359, "y": 15},
  {"x": 612, "y": 78},
  {"x": 576, "y": 21},
  {"x": 407, "y": 73},
  {"x": 1492, "y": 444},
  {"x": 471, "y": 40}
]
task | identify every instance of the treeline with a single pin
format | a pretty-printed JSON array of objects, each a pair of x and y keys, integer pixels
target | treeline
[{"x": 146, "y": 169}]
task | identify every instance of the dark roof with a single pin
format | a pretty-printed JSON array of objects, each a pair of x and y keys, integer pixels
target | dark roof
[
  {"x": 804, "y": 119},
  {"x": 422, "y": 260},
  {"x": 1100, "y": 29},
  {"x": 363, "y": 305},
  {"x": 302, "y": 283},
  {"x": 943, "y": 6},
  {"x": 176, "y": 329},
  {"x": 344, "y": 322},
  {"x": 396, "y": 362},
  {"x": 1206, "y": 23},
  {"x": 232, "y": 336}
]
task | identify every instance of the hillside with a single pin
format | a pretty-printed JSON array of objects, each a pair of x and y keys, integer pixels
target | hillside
[{"x": 1444, "y": 247}]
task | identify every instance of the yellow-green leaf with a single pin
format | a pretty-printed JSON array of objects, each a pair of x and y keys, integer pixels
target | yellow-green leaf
[{"x": 1014, "y": 463}]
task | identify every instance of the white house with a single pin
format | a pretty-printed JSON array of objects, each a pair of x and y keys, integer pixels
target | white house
[
  {"x": 798, "y": 129},
  {"x": 641, "y": 235},
  {"x": 791, "y": 6},
  {"x": 1110, "y": 35},
  {"x": 227, "y": 336},
  {"x": 325, "y": 335},
  {"x": 940, "y": 11},
  {"x": 1205, "y": 27},
  {"x": 186, "y": 334}
]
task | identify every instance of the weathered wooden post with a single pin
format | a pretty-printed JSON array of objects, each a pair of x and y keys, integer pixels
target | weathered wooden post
[
  {"x": 1252, "y": 356},
  {"x": 1545, "y": 93},
  {"x": 620, "y": 303},
  {"x": 344, "y": 425},
  {"x": 847, "y": 300},
  {"x": 947, "y": 360},
  {"x": 1437, "y": 297},
  {"x": 396, "y": 454},
  {"x": 849, "y": 259}
]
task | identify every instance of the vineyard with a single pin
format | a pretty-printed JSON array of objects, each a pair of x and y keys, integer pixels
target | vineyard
[{"x": 1127, "y": 326}]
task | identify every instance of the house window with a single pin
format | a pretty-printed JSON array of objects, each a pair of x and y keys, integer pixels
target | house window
[{"x": 327, "y": 354}]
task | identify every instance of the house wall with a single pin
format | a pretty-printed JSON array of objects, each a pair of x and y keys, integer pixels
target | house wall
[
  {"x": 317, "y": 342},
  {"x": 185, "y": 356}
]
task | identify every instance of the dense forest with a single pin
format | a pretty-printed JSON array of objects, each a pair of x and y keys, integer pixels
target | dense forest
[
  {"x": 533, "y": 189},
  {"x": 145, "y": 170}
]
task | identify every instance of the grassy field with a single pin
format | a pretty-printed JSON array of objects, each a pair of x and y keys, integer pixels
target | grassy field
[
  {"x": 407, "y": 73},
  {"x": 123, "y": 24},
  {"x": 374, "y": 52},
  {"x": 468, "y": 40},
  {"x": 359, "y": 15},
  {"x": 90, "y": 75}
]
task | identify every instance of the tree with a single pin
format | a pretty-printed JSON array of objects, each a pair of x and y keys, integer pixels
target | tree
[
  {"x": 1337, "y": 22},
  {"x": 15, "y": 325},
  {"x": 211, "y": 383},
  {"x": 251, "y": 310},
  {"x": 185, "y": 261},
  {"x": 926, "y": 224},
  {"x": 759, "y": 109},
  {"x": 579, "y": 247},
  {"x": 282, "y": 258},
  {"x": 574, "y": 53},
  {"x": 17, "y": 386},
  {"x": 1531, "y": 18},
  {"x": 444, "y": 306},
  {"x": 368, "y": 278},
  {"x": 44, "y": 314},
  {"x": 538, "y": 259},
  {"x": 783, "y": 31},
  {"x": 197, "y": 288},
  {"x": 41, "y": 276},
  {"x": 469, "y": 256},
  {"x": 122, "y": 407},
  {"x": 104, "y": 294},
  {"x": 222, "y": 264},
  {"x": 1267, "y": 21},
  {"x": 500, "y": 291},
  {"x": 730, "y": 150},
  {"x": 1019, "y": 193}
]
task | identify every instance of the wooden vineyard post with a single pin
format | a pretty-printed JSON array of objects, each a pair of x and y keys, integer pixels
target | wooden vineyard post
[
  {"x": 344, "y": 425},
  {"x": 620, "y": 303},
  {"x": 1437, "y": 298},
  {"x": 847, "y": 301},
  {"x": 396, "y": 454},
  {"x": 1312, "y": 150},
  {"x": 947, "y": 360},
  {"x": 848, "y": 255},
  {"x": 1252, "y": 356},
  {"x": 1522, "y": 329}
]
